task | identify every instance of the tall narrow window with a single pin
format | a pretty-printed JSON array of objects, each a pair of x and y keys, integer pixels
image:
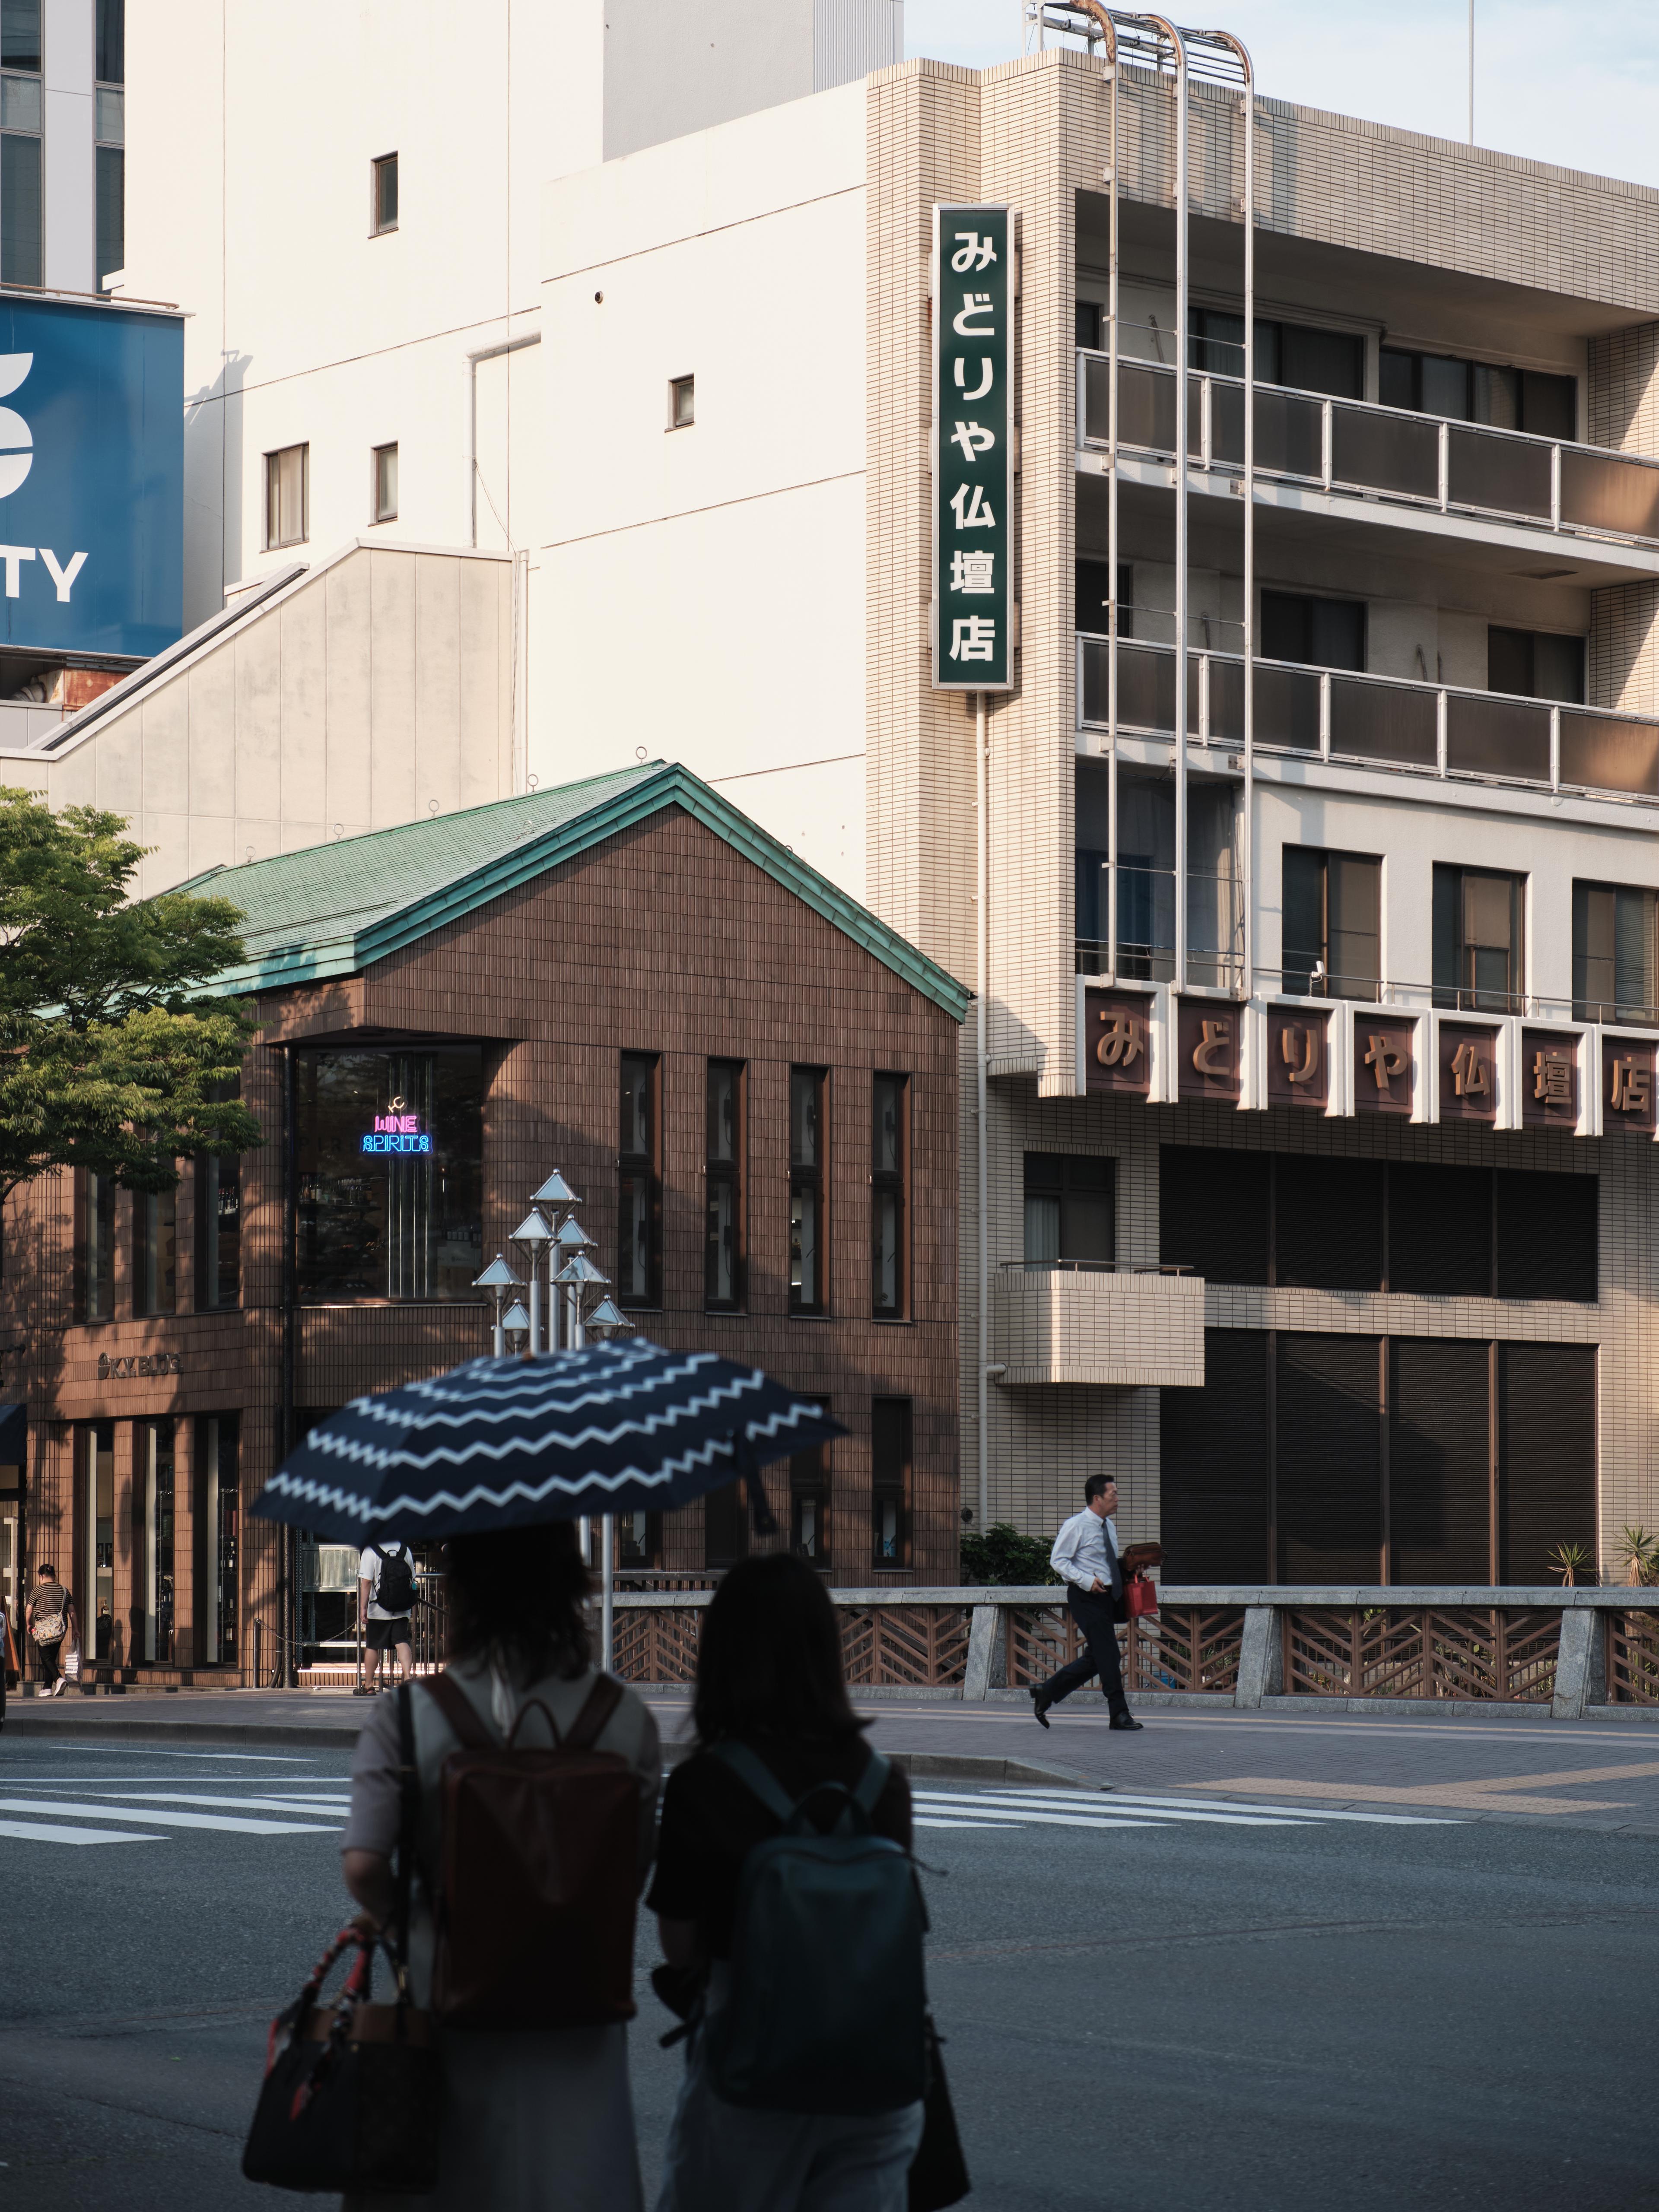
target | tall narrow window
[
  {"x": 383, "y": 194},
  {"x": 809, "y": 1256},
  {"x": 218, "y": 1232},
  {"x": 287, "y": 475},
  {"x": 218, "y": 1515},
  {"x": 20, "y": 185},
  {"x": 385, "y": 484},
  {"x": 726, "y": 1526},
  {"x": 110, "y": 68},
  {"x": 723, "y": 1234},
  {"x": 638, "y": 1537},
  {"x": 155, "y": 1251},
  {"x": 96, "y": 1257},
  {"x": 890, "y": 1481},
  {"x": 1613, "y": 953},
  {"x": 809, "y": 1502},
  {"x": 1333, "y": 929},
  {"x": 1478, "y": 940},
  {"x": 889, "y": 1176},
  {"x": 682, "y": 402},
  {"x": 98, "y": 1479},
  {"x": 639, "y": 1182},
  {"x": 155, "y": 1535}
]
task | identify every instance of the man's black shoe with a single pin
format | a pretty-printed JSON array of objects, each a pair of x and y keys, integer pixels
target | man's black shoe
[
  {"x": 1039, "y": 1707},
  {"x": 1127, "y": 1721}
]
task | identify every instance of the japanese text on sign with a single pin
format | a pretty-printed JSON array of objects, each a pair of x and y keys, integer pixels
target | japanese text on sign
[{"x": 972, "y": 470}]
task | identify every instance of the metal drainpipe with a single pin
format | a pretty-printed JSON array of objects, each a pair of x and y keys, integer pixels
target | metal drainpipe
[{"x": 982, "y": 750}]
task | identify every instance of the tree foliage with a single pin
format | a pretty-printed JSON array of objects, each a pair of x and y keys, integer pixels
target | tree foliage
[
  {"x": 111, "y": 1059},
  {"x": 1000, "y": 1554}
]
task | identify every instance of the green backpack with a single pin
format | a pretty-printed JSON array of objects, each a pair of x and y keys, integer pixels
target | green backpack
[{"x": 828, "y": 2005}]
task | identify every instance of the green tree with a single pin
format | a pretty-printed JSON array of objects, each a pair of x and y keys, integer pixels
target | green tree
[{"x": 107, "y": 1059}]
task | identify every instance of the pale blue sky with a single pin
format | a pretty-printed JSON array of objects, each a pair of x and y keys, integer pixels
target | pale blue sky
[{"x": 1578, "y": 84}]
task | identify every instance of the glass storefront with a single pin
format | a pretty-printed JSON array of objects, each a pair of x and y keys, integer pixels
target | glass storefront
[
  {"x": 219, "y": 1512},
  {"x": 98, "y": 1478},
  {"x": 389, "y": 1148}
]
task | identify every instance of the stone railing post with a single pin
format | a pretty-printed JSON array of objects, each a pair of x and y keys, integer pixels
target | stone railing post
[
  {"x": 1260, "y": 1658},
  {"x": 1575, "y": 1662},
  {"x": 982, "y": 1645}
]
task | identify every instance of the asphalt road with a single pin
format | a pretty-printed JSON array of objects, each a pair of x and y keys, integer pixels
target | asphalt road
[{"x": 1194, "y": 2014}]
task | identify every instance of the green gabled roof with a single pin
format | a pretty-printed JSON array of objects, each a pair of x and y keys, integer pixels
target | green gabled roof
[{"x": 333, "y": 909}]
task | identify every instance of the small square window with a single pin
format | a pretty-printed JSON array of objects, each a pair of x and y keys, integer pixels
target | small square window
[
  {"x": 286, "y": 473},
  {"x": 385, "y": 484},
  {"x": 383, "y": 198},
  {"x": 682, "y": 402}
]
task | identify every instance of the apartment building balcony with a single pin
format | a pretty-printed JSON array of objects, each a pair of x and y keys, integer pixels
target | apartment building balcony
[
  {"x": 1373, "y": 721},
  {"x": 1077, "y": 1321},
  {"x": 1357, "y": 460}
]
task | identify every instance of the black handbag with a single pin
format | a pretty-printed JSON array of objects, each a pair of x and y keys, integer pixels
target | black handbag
[
  {"x": 352, "y": 2092},
  {"x": 938, "y": 2171}
]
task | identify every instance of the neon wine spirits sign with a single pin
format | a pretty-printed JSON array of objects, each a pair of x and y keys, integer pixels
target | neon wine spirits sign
[{"x": 396, "y": 1132}]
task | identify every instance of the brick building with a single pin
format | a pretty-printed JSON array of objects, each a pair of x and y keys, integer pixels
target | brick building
[{"x": 748, "y": 1079}]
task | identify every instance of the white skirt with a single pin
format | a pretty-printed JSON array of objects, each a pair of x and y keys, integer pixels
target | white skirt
[{"x": 534, "y": 2120}]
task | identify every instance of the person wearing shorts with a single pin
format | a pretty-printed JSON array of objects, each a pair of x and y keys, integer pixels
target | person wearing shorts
[{"x": 383, "y": 1630}]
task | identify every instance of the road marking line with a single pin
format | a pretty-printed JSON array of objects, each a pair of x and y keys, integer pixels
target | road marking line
[
  {"x": 163, "y": 1819},
  {"x": 932, "y": 1823},
  {"x": 1468, "y": 1796},
  {"x": 45, "y": 1833},
  {"x": 258, "y": 1804},
  {"x": 1130, "y": 1799},
  {"x": 1139, "y": 1816}
]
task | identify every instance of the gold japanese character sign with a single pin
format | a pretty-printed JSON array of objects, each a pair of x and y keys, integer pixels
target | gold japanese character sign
[
  {"x": 1384, "y": 1063},
  {"x": 1549, "y": 1079},
  {"x": 973, "y": 449},
  {"x": 1468, "y": 1072},
  {"x": 1298, "y": 1058},
  {"x": 1627, "y": 1088},
  {"x": 1117, "y": 1042},
  {"x": 1207, "y": 1049}
]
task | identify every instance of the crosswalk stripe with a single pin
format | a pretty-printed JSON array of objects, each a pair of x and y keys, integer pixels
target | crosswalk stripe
[
  {"x": 232, "y": 1804},
  {"x": 1130, "y": 1798},
  {"x": 930, "y": 1822},
  {"x": 40, "y": 1831},
  {"x": 158, "y": 1818},
  {"x": 1132, "y": 1816}
]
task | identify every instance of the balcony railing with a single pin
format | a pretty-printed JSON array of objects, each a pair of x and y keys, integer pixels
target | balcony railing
[
  {"x": 1376, "y": 452},
  {"x": 1385, "y": 720}
]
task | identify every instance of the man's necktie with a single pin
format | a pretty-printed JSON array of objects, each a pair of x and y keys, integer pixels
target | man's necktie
[{"x": 1111, "y": 1558}]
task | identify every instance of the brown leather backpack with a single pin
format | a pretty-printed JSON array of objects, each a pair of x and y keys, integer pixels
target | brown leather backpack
[{"x": 540, "y": 1856}]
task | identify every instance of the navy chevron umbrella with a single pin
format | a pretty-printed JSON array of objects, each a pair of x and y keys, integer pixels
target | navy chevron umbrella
[{"x": 498, "y": 1444}]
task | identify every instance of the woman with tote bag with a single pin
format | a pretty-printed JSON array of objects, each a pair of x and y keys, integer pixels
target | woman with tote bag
[{"x": 536, "y": 2117}]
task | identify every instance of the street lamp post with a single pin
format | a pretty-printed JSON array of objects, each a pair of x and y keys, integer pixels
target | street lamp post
[
  {"x": 497, "y": 1277},
  {"x": 533, "y": 1233}
]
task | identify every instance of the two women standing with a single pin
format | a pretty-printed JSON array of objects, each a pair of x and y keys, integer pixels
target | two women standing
[{"x": 540, "y": 2120}]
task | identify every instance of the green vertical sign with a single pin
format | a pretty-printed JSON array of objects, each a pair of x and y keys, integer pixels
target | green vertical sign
[{"x": 973, "y": 449}]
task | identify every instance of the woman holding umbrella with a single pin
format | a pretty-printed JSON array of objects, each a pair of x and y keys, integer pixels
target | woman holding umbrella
[{"x": 539, "y": 2120}]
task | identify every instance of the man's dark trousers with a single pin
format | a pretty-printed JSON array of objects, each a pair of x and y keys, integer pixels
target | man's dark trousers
[{"x": 1096, "y": 1613}]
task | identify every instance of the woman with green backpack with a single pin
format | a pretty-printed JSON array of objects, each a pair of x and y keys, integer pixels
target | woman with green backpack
[{"x": 791, "y": 1920}]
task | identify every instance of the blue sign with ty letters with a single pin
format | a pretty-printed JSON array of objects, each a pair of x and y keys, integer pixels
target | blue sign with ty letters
[{"x": 92, "y": 462}]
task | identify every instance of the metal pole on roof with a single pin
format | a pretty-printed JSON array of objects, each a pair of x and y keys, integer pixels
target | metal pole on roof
[{"x": 1471, "y": 72}]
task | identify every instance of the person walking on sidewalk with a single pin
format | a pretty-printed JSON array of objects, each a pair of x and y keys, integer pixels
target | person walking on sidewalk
[
  {"x": 1085, "y": 1557},
  {"x": 49, "y": 1620},
  {"x": 386, "y": 1600}
]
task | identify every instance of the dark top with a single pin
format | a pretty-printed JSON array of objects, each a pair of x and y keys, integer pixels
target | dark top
[
  {"x": 711, "y": 1821},
  {"x": 48, "y": 1598}
]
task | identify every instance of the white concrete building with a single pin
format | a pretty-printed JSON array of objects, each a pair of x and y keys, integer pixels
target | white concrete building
[
  {"x": 1307, "y": 870},
  {"x": 62, "y": 143}
]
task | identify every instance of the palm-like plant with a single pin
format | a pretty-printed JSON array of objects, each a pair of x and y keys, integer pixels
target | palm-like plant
[
  {"x": 1639, "y": 1556},
  {"x": 1571, "y": 1561}
]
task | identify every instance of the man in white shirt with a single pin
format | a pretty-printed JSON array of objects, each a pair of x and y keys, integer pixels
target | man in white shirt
[
  {"x": 387, "y": 1574},
  {"x": 1085, "y": 1558}
]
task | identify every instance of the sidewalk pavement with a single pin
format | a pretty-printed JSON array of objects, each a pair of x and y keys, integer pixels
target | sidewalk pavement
[{"x": 1502, "y": 1763}]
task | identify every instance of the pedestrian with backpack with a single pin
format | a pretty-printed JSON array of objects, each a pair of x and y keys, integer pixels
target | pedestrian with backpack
[
  {"x": 386, "y": 1604},
  {"x": 536, "y": 1781},
  {"x": 790, "y": 1920}
]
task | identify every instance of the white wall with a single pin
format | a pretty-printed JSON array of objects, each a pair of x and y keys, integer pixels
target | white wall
[
  {"x": 700, "y": 594},
  {"x": 69, "y": 168}
]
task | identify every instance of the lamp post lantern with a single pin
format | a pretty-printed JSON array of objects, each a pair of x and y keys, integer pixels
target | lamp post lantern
[
  {"x": 533, "y": 1233},
  {"x": 497, "y": 1279}
]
